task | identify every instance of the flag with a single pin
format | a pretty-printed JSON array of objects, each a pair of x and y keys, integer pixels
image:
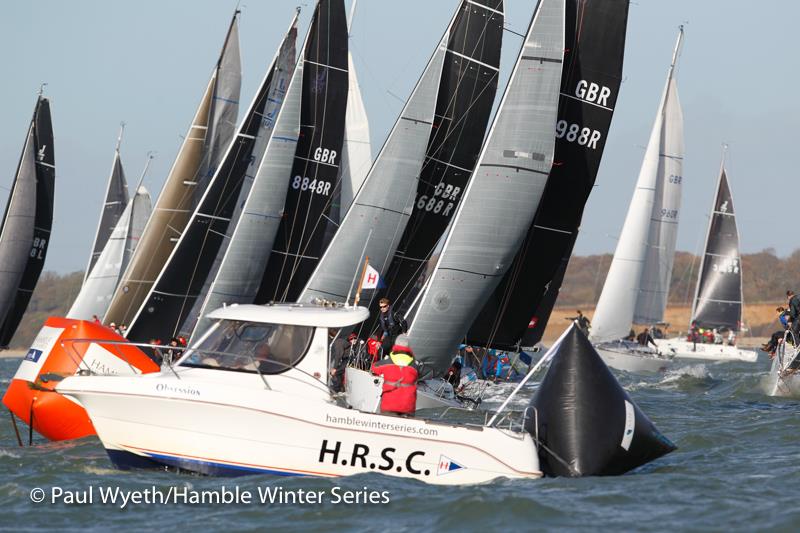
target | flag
[{"x": 372, "y": 279}]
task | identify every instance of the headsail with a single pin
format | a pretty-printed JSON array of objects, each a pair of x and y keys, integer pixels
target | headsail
[
  {"x": 183, "y": 186},
  {"x": 25, "y": 234},
  {"x": 97, "y": 290},
  {"x": 637, "y": 283},
  {"x": 502, "y": 196},
  {"x": 378, "y": 217},
  {"x": 116, "y": 201},
  {"x": 299, "y": 241},
  {"x": 595, "y": 45},
  {"x": 718, "y": 299},
  {"x": 173, "y": 295}
]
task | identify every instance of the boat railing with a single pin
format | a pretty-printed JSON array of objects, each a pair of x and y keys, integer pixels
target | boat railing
[
  {"x": 115, "y": 346},
  {"x": 83, "y": 367}
]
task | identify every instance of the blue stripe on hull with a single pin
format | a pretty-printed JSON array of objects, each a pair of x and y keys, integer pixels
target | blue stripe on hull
[{"x": 127, "y": 461}]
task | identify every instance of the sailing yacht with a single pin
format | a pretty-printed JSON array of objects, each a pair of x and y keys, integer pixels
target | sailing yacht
[
  {"x": 717, "y": 302},
  {"x": 637, "y": 284}
]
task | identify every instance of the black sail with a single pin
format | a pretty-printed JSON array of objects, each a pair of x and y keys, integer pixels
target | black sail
[
  {"x": 116, "y": 200},
  {"x": 718, "y": 302},
  {"x": 45, "y": 171},
  {"x": 181, "y": 281},
  {"x": 595, "y": 45},
  {"x": 300, "y": 240},
  {"x": 463, "y": 106}
]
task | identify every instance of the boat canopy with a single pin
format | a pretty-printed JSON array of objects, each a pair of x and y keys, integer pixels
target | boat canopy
[{"x": 316, "y": 315}]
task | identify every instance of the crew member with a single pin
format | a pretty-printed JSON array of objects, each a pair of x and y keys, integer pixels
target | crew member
[
  {"x": 392, "y": 325},
  {"x": 583, "y": 323},
  {"x": 645, "y": 339},
  {"x": 794, "y": 313},
  {"x": 400, "y": 375}
]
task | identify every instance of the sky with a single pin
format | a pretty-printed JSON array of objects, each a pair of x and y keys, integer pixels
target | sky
[{"x": 147, "y": 62}]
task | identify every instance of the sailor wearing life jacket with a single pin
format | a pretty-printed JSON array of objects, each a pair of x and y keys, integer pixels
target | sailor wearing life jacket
[{"x": 400, "y": 374}]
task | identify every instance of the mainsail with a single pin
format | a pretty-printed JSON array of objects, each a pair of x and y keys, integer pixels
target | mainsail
[
  {"x": 463, "y": 105},
  {"x": 637, "y": 283},
  {"x": 98, "y": 288},
  {"x": 25, "y": 233},
  {"x": 502, "y": 196},
  {"x": 300, "y": 237},
  {"x": 595, "y": 45},
  {"x": 718, "y": 299},
  {"x": 184, "y": 185},
  {"x": 378, "y": 217},
  {"x": 180, "y": 283},
  {"x": 116, "y": 201}
]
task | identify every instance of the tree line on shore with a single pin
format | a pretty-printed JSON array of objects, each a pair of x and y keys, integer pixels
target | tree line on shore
[{"x": 766, "y": 277}]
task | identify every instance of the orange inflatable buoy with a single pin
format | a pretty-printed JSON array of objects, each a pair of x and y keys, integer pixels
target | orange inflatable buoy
[{"x": 65, "y": 347}]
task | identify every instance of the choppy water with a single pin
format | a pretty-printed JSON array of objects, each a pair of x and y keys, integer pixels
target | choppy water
[{"x": 737, "y": 468}]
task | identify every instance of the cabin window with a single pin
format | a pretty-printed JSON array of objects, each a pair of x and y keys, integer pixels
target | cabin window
[{"x": 251, "y": 347}]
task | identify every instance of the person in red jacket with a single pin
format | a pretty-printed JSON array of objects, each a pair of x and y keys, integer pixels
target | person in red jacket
[{"x": 400, "y": 374}]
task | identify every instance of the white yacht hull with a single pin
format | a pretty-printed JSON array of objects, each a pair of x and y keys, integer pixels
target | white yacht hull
[
  {"x": 196, "y": 422},
  {"x": 782, "y": 381},
  {"x": 683, "y": 349},
  {"x": 622, "y": 356}
]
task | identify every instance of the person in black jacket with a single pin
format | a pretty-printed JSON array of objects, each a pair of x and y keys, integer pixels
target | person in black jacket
[
  {"x": 392, "y": 325},
  {"x": 794, "y": 312}
]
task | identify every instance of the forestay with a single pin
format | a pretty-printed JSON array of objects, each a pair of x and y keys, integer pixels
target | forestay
[
  {"x": 502, "y": 196},
  {"x": 637, "y": 283}
]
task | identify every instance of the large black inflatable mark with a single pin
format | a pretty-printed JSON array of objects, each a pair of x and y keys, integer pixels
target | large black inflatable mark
[{"x": 587, "y": 424}]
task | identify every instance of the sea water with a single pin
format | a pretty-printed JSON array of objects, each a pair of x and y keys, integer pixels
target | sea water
[{"x": 737, "y": 468}]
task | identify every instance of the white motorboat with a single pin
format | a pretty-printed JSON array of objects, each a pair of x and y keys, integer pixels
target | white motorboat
[
  {"x": 232, "y": 407},
  {"x": 682, "y": 349},
  {"x": 631, "y": 357}
]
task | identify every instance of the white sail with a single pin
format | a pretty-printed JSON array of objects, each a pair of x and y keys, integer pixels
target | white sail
[
  {"x": 380, "y": 211},
  {"x": 637, "y": 283},
  {"x": 502, "y": 196},
  {"x": 357, "y": 151},
  {"x": 96, "y": 292}
]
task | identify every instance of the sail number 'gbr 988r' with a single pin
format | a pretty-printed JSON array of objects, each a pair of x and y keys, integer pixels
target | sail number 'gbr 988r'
[{"x": 594, "y": 94}]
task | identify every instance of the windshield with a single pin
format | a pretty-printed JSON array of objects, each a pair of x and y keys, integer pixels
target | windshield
[{"x": 251, "y": 347}]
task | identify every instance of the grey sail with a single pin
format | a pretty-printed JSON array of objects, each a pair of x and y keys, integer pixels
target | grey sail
[
  {"x": 179, "y": 195},
  {"x": 245, "y": 253},
  {"x": 116, "y": 201},
  {"x": 718, "y": 299},
  {"x": 381, "y": 208},
  {"x": 502, "y": 196}
]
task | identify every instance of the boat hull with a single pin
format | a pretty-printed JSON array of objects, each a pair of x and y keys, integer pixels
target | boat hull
[
  {"x": 621, "y": 357},
  {"x": 225, "y": 429},
  {"x": 782, "y": 381},
  {"x": 683, "y": 349}
]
